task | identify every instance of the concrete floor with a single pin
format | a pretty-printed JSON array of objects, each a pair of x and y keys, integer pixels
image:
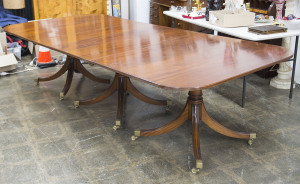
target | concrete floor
[{"x": 45, "y": 140}]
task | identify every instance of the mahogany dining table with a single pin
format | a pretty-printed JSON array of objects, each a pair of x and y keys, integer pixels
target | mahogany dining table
[{"x": 162, "y": 56}]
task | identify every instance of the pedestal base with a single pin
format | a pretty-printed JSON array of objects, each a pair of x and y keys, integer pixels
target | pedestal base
[
  {"x": 195, "y": 111},
  {"x": 281, "y": 83},
  {"x": 71, "y": 66}
]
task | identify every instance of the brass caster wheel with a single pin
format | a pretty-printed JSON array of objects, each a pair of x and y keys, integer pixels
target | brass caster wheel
[
  {"x": 61, "y": 96},
  {"x": 194, "y": 170},
  {"x": 37, "y": 81},
  {"x": 76, "y": 104},
  {"x": 169, "y": 103},
  {"x": 134, "y": 138},
  {"x": 252, "y": 137},
  {"x": 116, "y": 127},
  {"x": 250, "y": 142}
]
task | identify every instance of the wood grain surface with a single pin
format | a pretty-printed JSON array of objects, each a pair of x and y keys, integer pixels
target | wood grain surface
[
  {"x": 44, "y": 9},
  {"x": 89, "y": 7},
  {"x": 162, "y": 56}
]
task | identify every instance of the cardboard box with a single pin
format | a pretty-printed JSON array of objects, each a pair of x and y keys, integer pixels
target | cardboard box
[
  {"x": 231, "y": 18},
  {"x": 8, "y": 62}
]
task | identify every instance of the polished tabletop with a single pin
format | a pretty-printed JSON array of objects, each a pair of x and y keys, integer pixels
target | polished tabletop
[{"x": 163, "y": 56}]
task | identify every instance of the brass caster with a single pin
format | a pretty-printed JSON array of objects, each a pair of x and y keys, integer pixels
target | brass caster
[
  {"x": 76, "y": 104},
  {"x": 116, "y": 127},
  {"x": 137, "y": 133},
  {"x": 169, "y": 103},
  {"x": 134, "y": 138},
  {"x": 251, "y": 139},
  {"x": 37, "y": 81},
  {"x": 194, "y": 170},
  {"x": 61, "y": 96},
  {"x": 250, "y": 142}
]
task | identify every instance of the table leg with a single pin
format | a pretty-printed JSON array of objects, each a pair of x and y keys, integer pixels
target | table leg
[
  {"x": 144, "y": 98},
  {"x": 71, "y": 65},
  {"x": 196, "y": 137},
  {"x": 121, "y": 91},
  {"x": 181, "y": 119},
  {"x": 174, "y": 23},
  {"x": 87, "y": 74},
  {"x": 244, "y": 91},
  {"x": 195, "y": 111},
  {"x": 68, "y": 81},
  {"x": 122, "y": 84},
  {"x": 113, "y": 88},
  {"x": 294, "y": 67},
  {"x": 63, "y": 69}
]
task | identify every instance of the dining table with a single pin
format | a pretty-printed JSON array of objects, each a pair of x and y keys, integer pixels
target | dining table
[{"x": 164, "y": 57}]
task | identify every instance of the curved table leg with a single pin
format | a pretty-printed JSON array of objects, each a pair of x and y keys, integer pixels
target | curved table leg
[
  {"x": 122, "y": 80},
  {"x": 106, "y": 94},
  {"x": 182, "y": 118},
  {"x": 142, "y": 97},
  {"x": 195, "y": 110},
  {"x": 86, "y": 73},
  {"x": 122, "y": 84},
  {"x": 71, "y": 65},
  {"x": 63, "y": 69},
  {"x": 209, "y": 121},
  {"x": 68, "y": 82}
]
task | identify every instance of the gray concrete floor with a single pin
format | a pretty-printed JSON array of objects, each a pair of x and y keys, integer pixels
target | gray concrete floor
[{"x": 45, "y": 140}]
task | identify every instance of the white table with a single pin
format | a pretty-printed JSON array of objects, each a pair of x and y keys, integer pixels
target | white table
[{"x": 243, "y": 33}]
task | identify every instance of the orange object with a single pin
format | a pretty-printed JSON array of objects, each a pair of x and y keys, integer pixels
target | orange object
[{"x": 44, "y": 55}]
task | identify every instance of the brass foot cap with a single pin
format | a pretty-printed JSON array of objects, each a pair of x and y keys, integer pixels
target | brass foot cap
[
  {"x": 251, "y": 138},
  {"x": 76, "y": 104},
  {"x": 137, "y": 133},
  {"x": 61, "y": 96},
  {"x": 37, "y": 81},
  {"x": 118, "y": 122},
  {"x": 169, "y": 103},
  {"x": 199, "y": 164}
]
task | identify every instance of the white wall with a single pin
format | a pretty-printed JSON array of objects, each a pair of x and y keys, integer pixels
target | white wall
[
  {"x": 124, "y": 9},
  {"x": 140, "y": 10},
  {"x": 297, "y": 77}
]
